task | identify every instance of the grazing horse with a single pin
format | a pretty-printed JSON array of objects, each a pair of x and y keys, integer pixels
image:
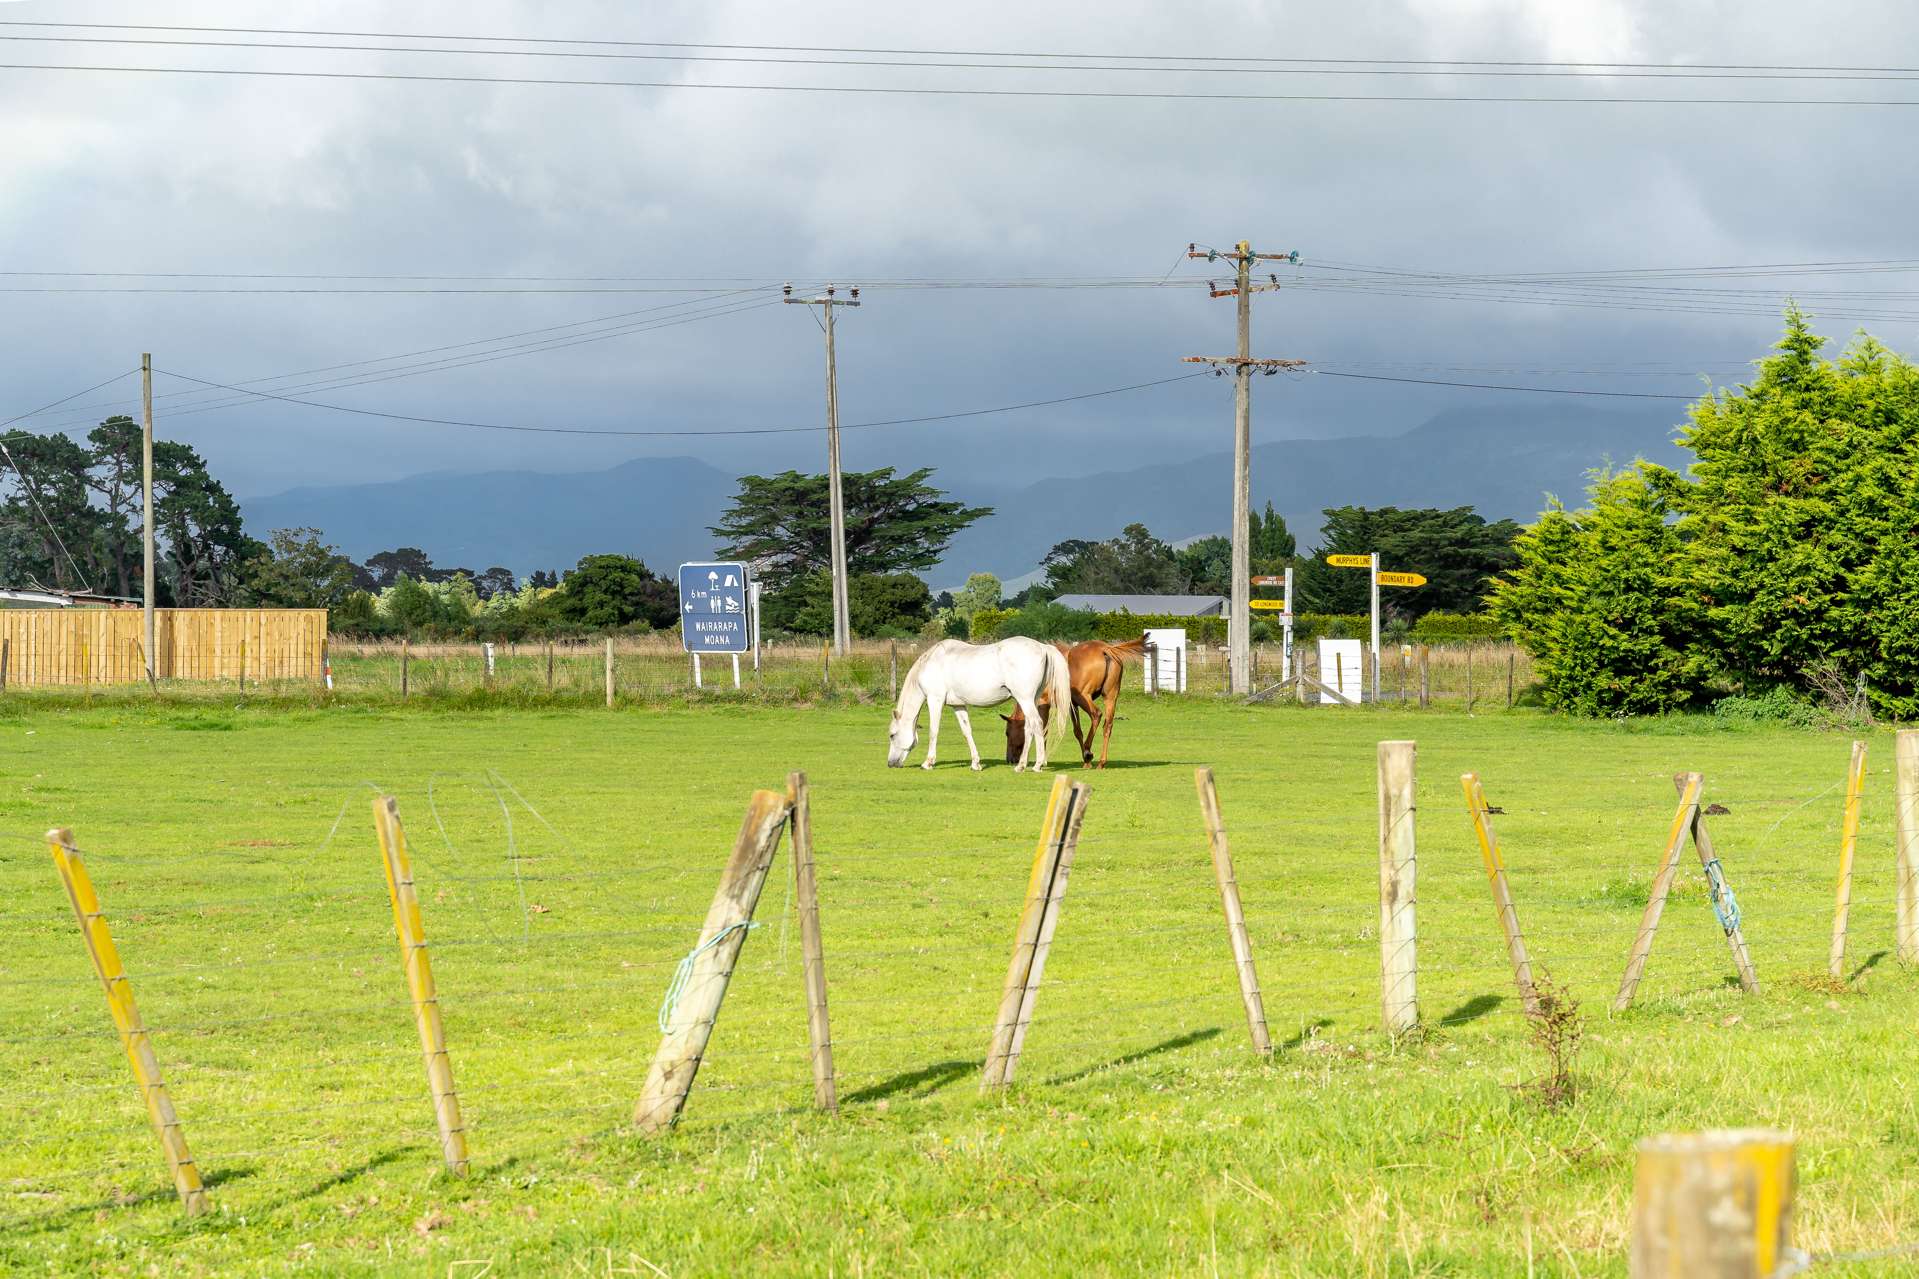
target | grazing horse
[
  {"x": 1097, "y": 669},
  {"x": 956, "y": 674}
]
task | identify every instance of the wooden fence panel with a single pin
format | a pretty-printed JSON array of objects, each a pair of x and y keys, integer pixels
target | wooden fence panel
[{"x": 84, "y": 646}]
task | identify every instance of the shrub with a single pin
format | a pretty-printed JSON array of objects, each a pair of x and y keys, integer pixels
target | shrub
[
  {"x": 984, "y": 626},
  {"x": 1308, "y": 627},
  {"x": 1125, "y": 626},
  {"x": 1774, "y": 706},
  {"x": 1457, "y": 628},
  {"x": 1048, "y": 621}
]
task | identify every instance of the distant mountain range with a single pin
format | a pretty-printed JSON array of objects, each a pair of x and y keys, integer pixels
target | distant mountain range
[{"x": 1502, "y": 460}]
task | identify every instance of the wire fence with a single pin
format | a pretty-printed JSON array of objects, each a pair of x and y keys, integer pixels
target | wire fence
[
  {"x": 652, "y": 669},
  {"x": 270, "y": 985}
]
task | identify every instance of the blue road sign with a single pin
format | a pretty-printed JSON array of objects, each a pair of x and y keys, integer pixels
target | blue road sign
[{"x": 714, "y": 617}]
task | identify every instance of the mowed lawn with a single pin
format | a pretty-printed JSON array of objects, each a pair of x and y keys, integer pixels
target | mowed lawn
[{"x": 566, "y": 859}]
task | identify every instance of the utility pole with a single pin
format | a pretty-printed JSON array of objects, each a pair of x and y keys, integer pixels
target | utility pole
[
  {"x": 836, "y": 499},
  {"x": 146, "y": 510},
  {"x": 1238, "y": 622}
]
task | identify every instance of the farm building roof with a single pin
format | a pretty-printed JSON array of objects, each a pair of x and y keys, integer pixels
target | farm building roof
[{"x": 1171, "y": 605}]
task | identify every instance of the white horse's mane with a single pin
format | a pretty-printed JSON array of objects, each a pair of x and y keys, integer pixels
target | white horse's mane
[{"x": 912, "y": 680}]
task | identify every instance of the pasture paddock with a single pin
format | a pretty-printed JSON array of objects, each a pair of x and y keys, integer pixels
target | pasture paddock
[{"x": 564, "y": 859}]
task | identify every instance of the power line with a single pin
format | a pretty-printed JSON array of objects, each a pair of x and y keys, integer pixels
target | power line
[
  {"x": 373, "y": 375},
  {"x": 64, "y": 399},
  {"x": 955, "y": 53},
  {"x": 1490, "y": 386},
  {"x": 948, "y": 92},
  {"x": 759, "y": 430},
  {"x": 1310, "y": 67}
]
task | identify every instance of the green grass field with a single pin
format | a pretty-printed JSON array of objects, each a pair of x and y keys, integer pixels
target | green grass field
[{"x": 566, "y": 858}]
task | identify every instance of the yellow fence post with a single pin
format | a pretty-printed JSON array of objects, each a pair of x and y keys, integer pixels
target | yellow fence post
[
  {"x": 411, "y": 930},
  {"x": 1041, "y": 890},
  {"x": 1656, "y": 897},
  {"x": 126, "y": 1019},
  {"x": 1905, "y": 823},
  {"x": 1713, "y": 1205},
  {"x": 1481, "y": 814}
]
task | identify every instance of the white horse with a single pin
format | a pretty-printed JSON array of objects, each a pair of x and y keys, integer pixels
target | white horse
[{"x": 960, "y": 675}]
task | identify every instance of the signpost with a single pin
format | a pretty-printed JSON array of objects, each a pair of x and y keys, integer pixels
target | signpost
[
  {"x": 1378, "y": 579},
  {"x": 715, "y": 613},
  {"x": 1284, "y": 607}
]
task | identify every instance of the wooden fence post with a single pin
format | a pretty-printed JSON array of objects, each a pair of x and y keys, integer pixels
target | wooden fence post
[
  {"x": 405, "y": 659},
  {"x": 812, "y": 953},
  {"x": 893, "y": 671},
  {"x": 1049, "y": 924},
  {"x": 1848, "y": 837},
  {"x": 1425, "y": 676},
  {"x": 686, "y": 1022},
  {"x": 1398, "y": 887},
  {"x": 1469, "y": 679},
  {"x": 826, "y": 666},
  {"x": 609, "y": 672},
  {"x": 1512, "y": 660},
  {"x": 1713, "y": 1205},
  {"x": 126, "y": 1019},
  {"x": 549, "y": 667},
  {"x": 6, "y": 651},
  {"x": 1026, "y": 935},
  {"x": 1656, "y": 897},
  {"x": 1905, "y": 812},
  {"x": 1502, "y": 893},
  {"x": 1235, "y": 914},
  {"x": 410, "y": 928},
  {"x": 1716, "y": 881}
]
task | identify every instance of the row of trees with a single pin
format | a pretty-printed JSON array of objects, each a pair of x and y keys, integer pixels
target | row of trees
[
  {"x": 1785, "y": 560},
  {"x": 1457, "y": 551},
  {"x": 71, "y": 520}
]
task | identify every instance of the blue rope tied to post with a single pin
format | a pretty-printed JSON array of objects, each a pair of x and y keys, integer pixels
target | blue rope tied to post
[
  {"x": 684, "y": 973},
  {"x": 1724, "y": 905}
]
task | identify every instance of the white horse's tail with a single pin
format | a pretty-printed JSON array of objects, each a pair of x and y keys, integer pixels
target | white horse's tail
[{"x": 1059, "y": 692}]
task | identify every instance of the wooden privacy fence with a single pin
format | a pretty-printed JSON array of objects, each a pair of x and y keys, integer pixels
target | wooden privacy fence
[{"x": 47, "y": 647}]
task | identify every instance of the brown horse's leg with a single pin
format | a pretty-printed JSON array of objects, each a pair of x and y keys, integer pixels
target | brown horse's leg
[
  {"x": 1083, "y": 702},
  {"x": 1115, "y": 676}
]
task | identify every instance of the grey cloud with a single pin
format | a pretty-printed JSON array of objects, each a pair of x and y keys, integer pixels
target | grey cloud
[{"x": 174, "y": 173}]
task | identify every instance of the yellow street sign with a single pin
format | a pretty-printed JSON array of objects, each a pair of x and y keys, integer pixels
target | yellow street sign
[
  {"x": 1350, "y": 561},
  {"x": 1270, "y": 606},
  {"x": 1401, "y": 579}
]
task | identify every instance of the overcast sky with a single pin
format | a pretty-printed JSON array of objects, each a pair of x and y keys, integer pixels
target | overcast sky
[{"x": 701, "y": 187}]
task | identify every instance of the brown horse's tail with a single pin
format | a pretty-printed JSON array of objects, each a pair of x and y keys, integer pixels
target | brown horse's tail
[{"x": 1131, "y": 653}]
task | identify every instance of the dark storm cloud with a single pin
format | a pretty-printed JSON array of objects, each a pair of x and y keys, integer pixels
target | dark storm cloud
[{"x": 180, "y": 174}]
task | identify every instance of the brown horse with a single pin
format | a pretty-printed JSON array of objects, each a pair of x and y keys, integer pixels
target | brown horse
[{"x": 1096, "y": 668}]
